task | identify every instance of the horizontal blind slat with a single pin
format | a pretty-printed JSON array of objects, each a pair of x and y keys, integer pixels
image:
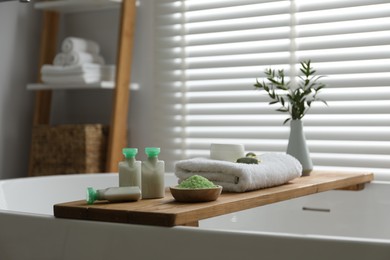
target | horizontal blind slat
[
  {"x": 224, "y": 13},
  {"x": 311, "y": 133},
  {"x": 306, "y": 6},
  {"x": 341, "y": 147},
  {"x": 193, "y": 5},
  {"x": 343, "y": 14},
  {"x": 277, "y": 119},
  {"x": 250, "y": 95}
]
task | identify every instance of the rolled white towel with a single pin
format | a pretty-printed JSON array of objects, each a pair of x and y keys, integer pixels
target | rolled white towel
[
  {"x": 78, "y": 58},
  {"x": 274, "y": 169},
  {"x": 79, "y": 44},
  {"x": 59, "y": 59}
]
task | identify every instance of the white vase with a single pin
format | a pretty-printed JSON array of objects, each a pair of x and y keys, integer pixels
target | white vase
[{"x": 297, "y": 146}]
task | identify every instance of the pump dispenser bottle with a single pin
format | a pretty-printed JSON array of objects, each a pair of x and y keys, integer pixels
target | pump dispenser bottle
[
  {"x": 153, "y": 175},
  {"x": 129, "y": 169}
]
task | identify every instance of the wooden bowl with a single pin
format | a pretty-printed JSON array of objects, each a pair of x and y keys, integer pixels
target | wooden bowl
[{"x": 196, "y": 195}]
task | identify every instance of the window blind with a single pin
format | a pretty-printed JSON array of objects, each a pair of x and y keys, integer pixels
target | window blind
[{"x": 210, "y": 53}]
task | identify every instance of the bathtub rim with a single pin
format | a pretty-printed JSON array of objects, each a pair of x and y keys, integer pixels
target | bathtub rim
[
  {"x": 43, "y": 216},
  {"x": 265, "y": 234}
]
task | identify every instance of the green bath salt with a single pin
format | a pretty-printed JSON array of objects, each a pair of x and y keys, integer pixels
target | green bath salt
[{"x": 196, "y": 182}]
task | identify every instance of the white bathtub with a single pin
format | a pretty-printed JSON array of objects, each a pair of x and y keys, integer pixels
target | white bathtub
[{"x": 335, "y": 225}]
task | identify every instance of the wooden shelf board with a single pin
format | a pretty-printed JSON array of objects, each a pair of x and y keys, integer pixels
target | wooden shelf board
[
  {"x": 72, "y": 6},
  {"x": 168, "y": 212}
]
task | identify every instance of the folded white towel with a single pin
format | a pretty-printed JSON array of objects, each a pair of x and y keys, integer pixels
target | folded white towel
[
  {"x": 274, "y": 169},
  {"x": 59, "y": 59},
  {"x": 81, "y": 74},
  {"x": 79, "y": 44},
  {"x": 72, "y": 79},
  {"x": 77, "y": 58},
  {"x": 52, "y": 70}
]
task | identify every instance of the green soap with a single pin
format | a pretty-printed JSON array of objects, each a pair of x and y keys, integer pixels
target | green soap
[
  {"x": 248, "y": 160},
  {"x": 196, "y": 182}
]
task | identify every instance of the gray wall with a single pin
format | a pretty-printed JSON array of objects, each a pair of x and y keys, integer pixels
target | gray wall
[
  {"x": 19, "y": 47},
  {"x": 19, "y": 43}
]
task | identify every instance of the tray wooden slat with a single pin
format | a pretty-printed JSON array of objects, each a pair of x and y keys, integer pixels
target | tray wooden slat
[{"x": 168, "y": 212}]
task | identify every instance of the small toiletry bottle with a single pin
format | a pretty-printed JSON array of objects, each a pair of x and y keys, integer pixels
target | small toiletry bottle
[
  {"x": 129, "y": 169},
  {"x": 114, "y": 194},
  {"x": 153, "y": 175}
]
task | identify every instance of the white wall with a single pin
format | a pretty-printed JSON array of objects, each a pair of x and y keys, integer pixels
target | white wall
[
  {"x": 19, "y": 47},
  {"x": 19, "y": 57}
]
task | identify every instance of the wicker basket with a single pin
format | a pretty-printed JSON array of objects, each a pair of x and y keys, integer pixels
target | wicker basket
[{"x": 68, "y": 149}]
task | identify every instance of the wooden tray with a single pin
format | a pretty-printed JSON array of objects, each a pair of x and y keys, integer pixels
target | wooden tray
[{"x": 168, "y": 212}]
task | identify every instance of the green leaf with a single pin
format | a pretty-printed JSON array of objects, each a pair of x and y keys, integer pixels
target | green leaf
[
  {"x": 285, "y": 121},
  {"x": 282, "y": 109},
  {"x": 323, "y": 101}
]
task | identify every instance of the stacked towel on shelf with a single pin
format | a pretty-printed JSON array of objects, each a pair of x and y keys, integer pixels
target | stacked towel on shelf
[
  {"x": 84, "y": 74},
  {"x": 275, "y": 169},
  {"x": 78, "y": 62},
  {"x": 59, "y": 59}
]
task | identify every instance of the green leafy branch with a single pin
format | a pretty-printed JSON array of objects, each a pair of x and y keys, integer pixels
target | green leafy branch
[{"x": 293, "y": 100}]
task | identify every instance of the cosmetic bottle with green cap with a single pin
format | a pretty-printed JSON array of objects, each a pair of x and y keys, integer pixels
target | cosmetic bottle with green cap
[
  {"x": 114, "y": 194},
  {"x": 153, "y": 171},
  {"x": 129, "y": 169}
]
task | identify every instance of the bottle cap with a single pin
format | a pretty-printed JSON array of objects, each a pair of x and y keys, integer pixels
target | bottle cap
[
  {"x": 152, "y": 151},
  {"x": 91, "y": 195},
  {"x": 129, "y": 152}
]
